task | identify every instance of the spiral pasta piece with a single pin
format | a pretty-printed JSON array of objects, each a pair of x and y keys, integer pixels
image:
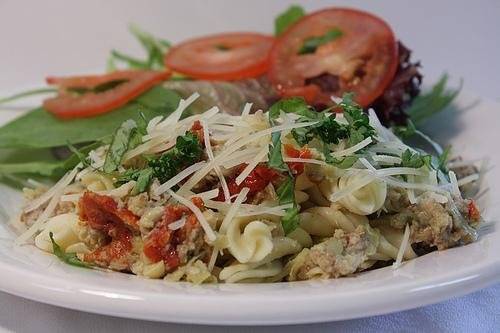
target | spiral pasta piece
[
  {"x": 268, "y": 267},
  {"x": 366, "y": 200},
  {"x": 322, "y": 221},
  {"x": 249, "y": 242},
  {"x": 64, "y": 228}
]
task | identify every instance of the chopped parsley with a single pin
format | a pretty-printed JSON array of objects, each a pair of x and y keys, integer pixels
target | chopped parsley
[
  {"x": 359, "y": 127},
  {"x": 187, "y": 151}
]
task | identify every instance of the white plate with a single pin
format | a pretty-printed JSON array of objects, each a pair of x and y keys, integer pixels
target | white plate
[{"x": 29, "y": 273}]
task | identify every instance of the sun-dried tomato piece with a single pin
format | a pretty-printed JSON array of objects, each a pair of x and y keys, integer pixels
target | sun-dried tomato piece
[
  {"x": 162, "y": 242},
  {"x": 101, "y": 212}
]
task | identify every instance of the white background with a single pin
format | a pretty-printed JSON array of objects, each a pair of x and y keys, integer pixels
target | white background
[{"x": 68, "y": 37}]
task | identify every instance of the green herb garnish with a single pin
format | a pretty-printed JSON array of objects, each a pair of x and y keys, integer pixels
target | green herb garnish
[
  {"x": 359, "y": 124},
  {"x": 142, "y": 178},
  {"x": 415, "y": 160},
  {"x": 119, "y": 146},
  {"x": 286, "y": 195},
  {"x": 187, "y": 151},
  {"x": 69, "y": 258},
  {"x": 287, "y": 18},
  {"x": 311, "y": 44}
]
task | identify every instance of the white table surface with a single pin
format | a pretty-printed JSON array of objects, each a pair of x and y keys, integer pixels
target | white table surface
[{"x": 66, "y": 37}]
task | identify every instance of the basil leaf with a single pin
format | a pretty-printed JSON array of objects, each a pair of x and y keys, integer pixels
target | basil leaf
[
  {"x": 275, "y": 155},
  {"x": 69, "y": 258},
  {"x": 287, "y": 18},
  {"x": 286, "y": 192},
  {"x": 286, "y": 195},
  {"x": 312, "y": 43},
  {"x": 291, "y": 220},
  {"x": 143, "y": 179},
  {"x": 119, "y": 146}
]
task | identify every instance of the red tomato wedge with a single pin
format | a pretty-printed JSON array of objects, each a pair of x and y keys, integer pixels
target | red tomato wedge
[
  {"x": 230, "y": 56},
  {"x": 68, "y": 105},
  {"x": 362, "y": 57}
]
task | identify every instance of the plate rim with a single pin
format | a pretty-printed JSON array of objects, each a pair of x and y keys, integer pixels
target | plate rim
[{"x": 99, "y": 300}]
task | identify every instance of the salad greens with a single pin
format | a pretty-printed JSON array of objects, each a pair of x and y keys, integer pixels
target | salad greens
[
  {"x": 40, "y": 131},
  {"x": 287, "y": 18},
  {"x": 155, "y": 49},
  {"x": 436, "y": 100}
]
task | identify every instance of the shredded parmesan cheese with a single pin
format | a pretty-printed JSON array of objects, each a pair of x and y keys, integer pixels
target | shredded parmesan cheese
[
  {"x": 179, "y": 177},
  {"x": 210, "y": 154},
  {"x": 177, "y": 224},
  {"x": 353, "y": 149},
  {"x": 402, "y": 248},
  {"x": 231, "y": 213}
]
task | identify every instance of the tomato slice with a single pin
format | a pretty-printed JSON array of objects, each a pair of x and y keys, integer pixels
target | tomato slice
[
  {"x": 230, "y": 56},
  {"x": 362, "y": 57},
  {"x": 68, "y": 105}
]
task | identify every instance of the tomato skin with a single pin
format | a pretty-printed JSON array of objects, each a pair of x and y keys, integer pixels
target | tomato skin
[
  {"x": 246, "y": 56},
  {"x": 69, "y": 106},
  {"x": 364, "y": 58}
]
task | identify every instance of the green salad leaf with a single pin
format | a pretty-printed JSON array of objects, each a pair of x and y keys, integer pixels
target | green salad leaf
[
  {"x": 430, "y": 103},
  {"x": 154, "y": 47},
  {"x": 68, "y": 258},
  {"x": 40, "y": 129},
  {"x": 287, "y": 18}
]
